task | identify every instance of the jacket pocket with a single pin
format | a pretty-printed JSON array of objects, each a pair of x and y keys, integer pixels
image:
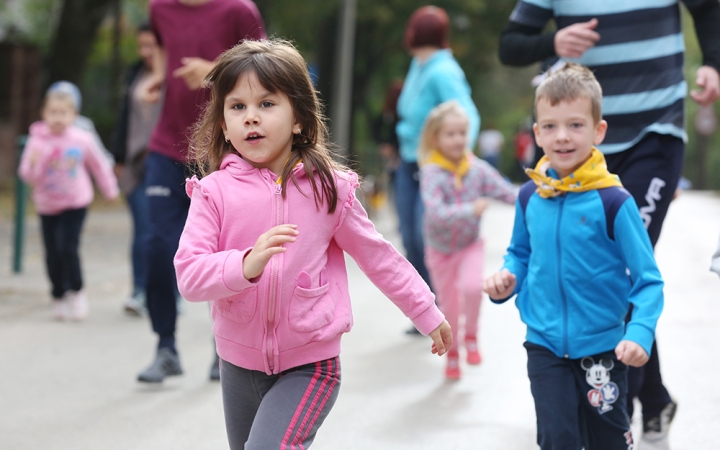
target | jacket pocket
[
  {"x": 310, "y": 308},
  {"x": 240, "y": 308}
]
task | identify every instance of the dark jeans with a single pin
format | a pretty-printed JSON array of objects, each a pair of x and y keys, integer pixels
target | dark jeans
[
  {"x": 409, "y": 207},
  {"x": 579, "y": 403},
  {"x": 139, "y": 211},
  {"x": 61, "y": 235},
  {"x": 650, "y": 171},
  {"x": 169, "y": 206}
]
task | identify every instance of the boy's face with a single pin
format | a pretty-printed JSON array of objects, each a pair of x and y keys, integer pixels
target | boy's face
[
  {"x": 567, "y": 132},
  {"x": 58, "y": 114}
]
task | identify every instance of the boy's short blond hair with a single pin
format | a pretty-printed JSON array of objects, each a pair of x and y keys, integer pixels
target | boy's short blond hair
[{"x": 568, "y": 83}]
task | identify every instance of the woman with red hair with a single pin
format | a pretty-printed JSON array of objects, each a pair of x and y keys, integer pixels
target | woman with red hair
[{"x": 434, "y": 78}]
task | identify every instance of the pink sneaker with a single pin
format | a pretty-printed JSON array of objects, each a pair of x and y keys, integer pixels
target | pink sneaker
[
  {"x": 473, "y": 352},
  {"x": 78, "y": 305},
  {"x": 60, "y": 310},
  {"x": 452, "y": 370}
]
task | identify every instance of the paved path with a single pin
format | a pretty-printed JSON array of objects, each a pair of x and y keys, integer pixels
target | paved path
[{"x": 71, "y": 385}]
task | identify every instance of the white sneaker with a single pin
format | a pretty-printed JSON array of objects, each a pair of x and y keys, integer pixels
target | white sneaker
[
  {"x": 60, "y": 310},
  {"x": 78, "y": 305},
  {"x": 655, "y": 429}
]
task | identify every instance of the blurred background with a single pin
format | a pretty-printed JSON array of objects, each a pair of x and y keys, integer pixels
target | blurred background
[{"x": 91, "y": 43}]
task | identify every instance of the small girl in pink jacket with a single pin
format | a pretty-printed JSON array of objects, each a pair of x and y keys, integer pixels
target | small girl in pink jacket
[
  {"x": 57, "y": 162},
  {"x": 264, "y": 241}
]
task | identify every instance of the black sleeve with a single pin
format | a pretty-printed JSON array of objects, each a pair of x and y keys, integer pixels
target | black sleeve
[
  {"x": 522, "y": 45},
  {"x": 706, "y": 15}
]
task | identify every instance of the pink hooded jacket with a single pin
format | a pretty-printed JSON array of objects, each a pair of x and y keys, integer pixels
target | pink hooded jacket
[
  {"x": 56, "y": 166},
  {"x": 295, "y": 312}
]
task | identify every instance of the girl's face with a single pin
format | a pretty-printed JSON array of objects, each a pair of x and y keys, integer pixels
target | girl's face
[
  {"x": 58, "y": 114},
  {"x": 259, "y": 124},
  {"x": 452, "y": 137}
]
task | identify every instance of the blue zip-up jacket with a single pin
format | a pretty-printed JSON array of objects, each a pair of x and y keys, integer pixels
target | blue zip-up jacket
[
  {"x": 439, "y": 79},
  {"x": 572, "y": 255}
]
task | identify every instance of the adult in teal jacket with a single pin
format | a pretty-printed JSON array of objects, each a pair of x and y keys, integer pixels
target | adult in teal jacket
[{"x": 434, "y": 77}]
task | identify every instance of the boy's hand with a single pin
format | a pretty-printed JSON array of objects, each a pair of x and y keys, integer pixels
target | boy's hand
[
  {"x": 631, "y": 353},
  {"x": 480, "y": 205},
  {"x": 268, "y": 244},
  {"x": 500, "y": 284},
  {"x": 442, "y": 338}
]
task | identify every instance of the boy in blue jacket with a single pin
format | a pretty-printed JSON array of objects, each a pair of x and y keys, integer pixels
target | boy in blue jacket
[{"x": 579, "y": 256}]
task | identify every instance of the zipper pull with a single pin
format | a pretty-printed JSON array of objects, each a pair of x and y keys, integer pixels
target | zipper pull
[{"x": 278, "y": 188}]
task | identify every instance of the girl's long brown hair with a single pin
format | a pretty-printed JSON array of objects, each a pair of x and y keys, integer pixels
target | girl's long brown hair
[{"x": 279, "y": 68}]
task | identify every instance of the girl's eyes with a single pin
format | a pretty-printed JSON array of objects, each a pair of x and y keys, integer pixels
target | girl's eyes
[{"x": 265, "y": 104}]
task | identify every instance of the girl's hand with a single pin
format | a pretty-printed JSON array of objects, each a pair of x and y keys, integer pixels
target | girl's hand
[
  {"x": 442, "y": 339},
  {"x": 500, "y": 285},
  {"x": 480, "y": 206},
  {"x": 631, "y": 353},
  {"x": 268, "y": 244}
]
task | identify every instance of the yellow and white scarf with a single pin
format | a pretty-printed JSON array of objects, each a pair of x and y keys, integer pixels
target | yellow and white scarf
[
  {"x": 458, "y": 170},
  {"x": 593, "y": 174}
]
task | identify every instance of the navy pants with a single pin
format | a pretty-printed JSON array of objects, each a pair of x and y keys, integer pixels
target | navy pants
[
  {"x": 410, "y": 209},
  {"x": 281, "y": 411},
  {"x": 650, "y": 171},
  {"x": 138, "y": 203},
  {"x": 169, "y": 205},
  {"x": 579, "y": 403},
  {"x": 61, "y": 236}
]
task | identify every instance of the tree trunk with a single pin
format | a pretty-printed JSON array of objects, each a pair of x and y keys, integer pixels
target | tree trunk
[{"x": 74, "y": 38}]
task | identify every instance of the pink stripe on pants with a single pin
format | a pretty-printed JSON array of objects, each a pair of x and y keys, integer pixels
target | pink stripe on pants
[{"x": 457, "y": 280}]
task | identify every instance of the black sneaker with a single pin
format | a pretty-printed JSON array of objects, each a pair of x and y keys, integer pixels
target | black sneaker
[
  {"x": 655, "y": 429},
  {"x": 215, "y": 369},
  {"x": 166, "y": 364}
]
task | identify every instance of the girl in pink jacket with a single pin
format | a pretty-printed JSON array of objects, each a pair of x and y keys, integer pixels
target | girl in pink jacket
[
  {"x": 57, "y": 162},
  {"x": 264, "y": 241}
]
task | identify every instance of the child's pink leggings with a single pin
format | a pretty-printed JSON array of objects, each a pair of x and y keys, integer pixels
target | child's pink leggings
[{"x": 457, "y": 281}]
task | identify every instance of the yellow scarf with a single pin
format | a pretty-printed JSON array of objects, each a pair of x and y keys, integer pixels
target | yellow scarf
[
  {"x": 593, "y": 174},
  {"x": 459, "y": 170}
]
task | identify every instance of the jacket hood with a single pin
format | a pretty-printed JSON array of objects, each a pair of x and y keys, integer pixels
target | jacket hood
[{"x": 236, "y": 166}]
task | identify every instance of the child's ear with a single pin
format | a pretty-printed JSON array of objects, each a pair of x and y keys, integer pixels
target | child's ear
[
  {"x": 600, "y": 130},
  {"x": 536, "y": 131},
  {"x": 297, "y": 128}
]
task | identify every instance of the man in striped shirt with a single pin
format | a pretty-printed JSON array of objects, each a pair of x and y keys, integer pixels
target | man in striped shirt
[{"x": 636, "y": 50}]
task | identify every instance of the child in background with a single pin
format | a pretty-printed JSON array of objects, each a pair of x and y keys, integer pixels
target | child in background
[
  {"x": 264, "y": 242},
  {"x": 579, "y": 256},
  {"x": 56, "y": 162},
  {"x": 455, "y": 185}
]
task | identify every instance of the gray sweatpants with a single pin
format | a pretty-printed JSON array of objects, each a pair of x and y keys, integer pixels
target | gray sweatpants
[{"x": 284, "y": 411}]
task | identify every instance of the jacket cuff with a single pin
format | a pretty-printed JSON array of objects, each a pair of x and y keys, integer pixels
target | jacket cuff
[
  {"x": 641, "y": 335},
  {"x": 428, "y": 320},
  {"x": 233, "y": 276}
]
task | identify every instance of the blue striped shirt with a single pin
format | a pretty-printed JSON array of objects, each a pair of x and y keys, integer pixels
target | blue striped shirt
[{"x": 638, "y": 62}]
